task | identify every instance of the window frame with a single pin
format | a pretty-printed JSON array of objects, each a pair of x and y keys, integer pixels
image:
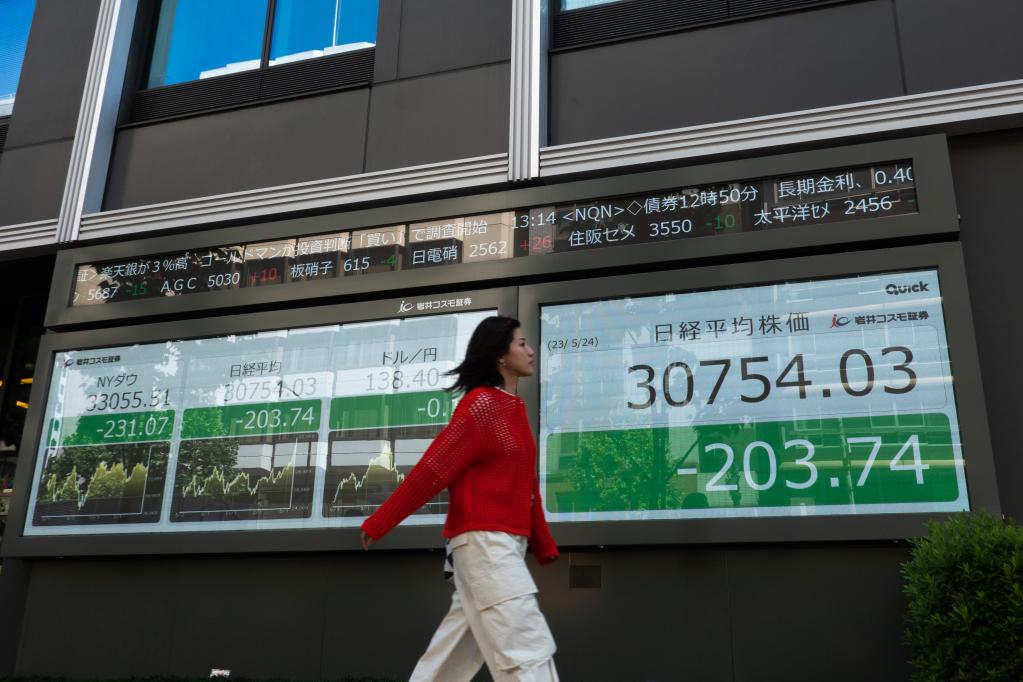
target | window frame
[
  {"x": 5, "y": 122},
  {"x": 245, "y": 88},
  {"x": 620, "y": 20},
  {"x": 5, "y": 117}
]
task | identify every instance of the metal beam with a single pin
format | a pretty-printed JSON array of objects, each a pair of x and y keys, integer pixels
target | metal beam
[
  {"x": 97, "y": 116},
  {"x": 527, "y": 120}
]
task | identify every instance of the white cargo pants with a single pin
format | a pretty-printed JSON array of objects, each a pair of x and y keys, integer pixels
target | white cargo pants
[{"x": 494, "y": 617}]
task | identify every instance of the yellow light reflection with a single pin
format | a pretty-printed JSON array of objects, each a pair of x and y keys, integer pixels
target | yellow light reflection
[
  {"x": 27, "y": 380},
  {"x": 21, "y": 404}
]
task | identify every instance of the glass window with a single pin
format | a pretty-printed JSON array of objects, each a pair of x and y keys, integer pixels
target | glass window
[
  {"x": 197, "y": 39},
  {"x": 579, "y": 4},
  {"x": 15, "y": 19},
  {"x": 304, "y": 29}
]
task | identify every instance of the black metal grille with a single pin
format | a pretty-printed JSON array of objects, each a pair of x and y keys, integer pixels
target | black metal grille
[
  {"x": 740, "y": 8},
  {"x": 317, "y": 74},
  {"x": 186, "y": 98},
  {"x": 287, "y": 80},
  {"x": 633, "y": 18},
  {"x": 3, "y": 132}
]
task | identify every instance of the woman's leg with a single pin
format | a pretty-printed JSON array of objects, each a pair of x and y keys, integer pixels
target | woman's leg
[
  {"x": 516, "y": 641},
  {"x": 499, "y": 602},
  {"x": 544, "y": 672},
  {"x": 452, "y": 655}
]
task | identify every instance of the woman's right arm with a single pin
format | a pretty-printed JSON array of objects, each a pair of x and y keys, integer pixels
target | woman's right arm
[
  {"x": 540, "y": 539},
  {"x": 448, "y": 455}
]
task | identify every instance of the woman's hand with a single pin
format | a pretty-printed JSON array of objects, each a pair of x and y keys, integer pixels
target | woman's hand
[{"x": 366, "y": 540}]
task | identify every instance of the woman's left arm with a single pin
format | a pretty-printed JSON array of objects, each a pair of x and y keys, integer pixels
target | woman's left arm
[{"x": 541, "y": 542}]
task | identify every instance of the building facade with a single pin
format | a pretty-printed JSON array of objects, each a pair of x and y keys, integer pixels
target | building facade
[{"x": 765, "y": 251}]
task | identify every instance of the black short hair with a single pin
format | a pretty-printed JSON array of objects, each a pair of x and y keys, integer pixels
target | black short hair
[{"x": 489, "y": 341}]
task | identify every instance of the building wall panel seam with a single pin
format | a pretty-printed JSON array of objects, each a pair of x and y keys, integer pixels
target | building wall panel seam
[
  {"x": 319, "y": 194},
  {"x": 88, "y": 119},
  {"x": 25, "y": 235},
  {"x": 907, "y": 112},
  {"x": 904, "y": 112}
]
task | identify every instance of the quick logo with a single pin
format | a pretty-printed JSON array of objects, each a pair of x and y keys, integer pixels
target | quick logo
[{"x": 899, "y": 289}]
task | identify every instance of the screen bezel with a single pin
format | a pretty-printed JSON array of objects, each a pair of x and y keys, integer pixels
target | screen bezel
[
  {"x": 17, "y": 544},
  {"x": 945, "y": 258}
]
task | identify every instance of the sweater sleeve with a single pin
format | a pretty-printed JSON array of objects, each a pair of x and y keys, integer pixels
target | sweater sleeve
[
  {"x": 540, "y": 539},
  {"x": 448, "y": 455}
]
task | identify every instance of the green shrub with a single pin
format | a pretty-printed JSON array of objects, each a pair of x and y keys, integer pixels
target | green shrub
[{"x": 965, "y": 613}]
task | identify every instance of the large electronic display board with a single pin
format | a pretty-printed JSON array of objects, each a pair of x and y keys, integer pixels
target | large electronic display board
[
  {"x": 810, "y": 198},
  {"x": 308, "y": 427},
  {"x": 811, "y": 397},
  {"x": 867, "y": 193}
]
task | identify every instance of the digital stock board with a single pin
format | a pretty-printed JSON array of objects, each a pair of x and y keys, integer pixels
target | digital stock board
[
  {"x": 289, "y": 428},
  {"x": 744, "y": 361},
  {"x": 825, "y": 396},
  {"x": 823, "y": 199}
]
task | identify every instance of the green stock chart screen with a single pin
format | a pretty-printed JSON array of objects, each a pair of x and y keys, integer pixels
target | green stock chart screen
[
  {"x": 290, "y": 428},
  {"x": 822, "y": 397}
]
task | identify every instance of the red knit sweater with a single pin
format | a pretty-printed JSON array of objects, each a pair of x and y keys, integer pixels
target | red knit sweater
[{"x": 486, "y": 457}]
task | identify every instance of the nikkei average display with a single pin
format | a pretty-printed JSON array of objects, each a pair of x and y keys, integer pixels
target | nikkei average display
[
  {"x": 298, "y": 428},
  {"x": 822, "y": 397}
]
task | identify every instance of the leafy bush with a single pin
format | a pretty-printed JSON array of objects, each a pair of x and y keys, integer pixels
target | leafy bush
[{"x": 965, "y": 612}]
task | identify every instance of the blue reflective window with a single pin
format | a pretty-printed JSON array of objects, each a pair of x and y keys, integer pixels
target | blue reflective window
[
  {"x": 303, "y": 29},
  {"x": 198, "y": 39},
  {"x": 579, "y": 4},
  {"x": 15, "y": 19}
]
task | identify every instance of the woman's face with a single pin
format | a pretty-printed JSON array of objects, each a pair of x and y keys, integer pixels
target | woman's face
[{"x": 519, "y": 358}]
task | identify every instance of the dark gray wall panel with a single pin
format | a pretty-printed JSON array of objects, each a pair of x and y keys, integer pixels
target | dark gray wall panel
[
  {"x": 802, "y": 60},
  {"x": 14, "y": 581},
  {"x": 53, "y": 74},
  {"x": 453, "y": 115},
  {"x": 385, "y": 58},
  {"x": 32, "y": 182},
  {"x": 657, "y": 615},
  {"x": 379, "y": 611},
  {"x": 806, "y": 615},
  {"x": 99, "y": 618},
  {"x": 441, "y": 35},
  {"x": 297, "y": 617},
  {"x": 257, "y": 618},
  {"x": 758, "y": 613},
  {"x": 261, "y": 146},
  {"x": 950, "y": 43},
  {"x": 988, "y": 172}
]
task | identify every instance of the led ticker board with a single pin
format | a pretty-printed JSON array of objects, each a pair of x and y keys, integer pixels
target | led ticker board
[
  {"x": 808, "y": 398},
  {"x": 808, "y": 199},
  {"x": 292, "y": 428}
]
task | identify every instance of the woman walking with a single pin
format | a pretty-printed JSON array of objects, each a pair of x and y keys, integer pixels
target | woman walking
[{"x": 486, "y": 457}]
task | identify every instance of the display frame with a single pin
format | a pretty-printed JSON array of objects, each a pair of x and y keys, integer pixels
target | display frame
[
  {"x": 936, "y": 216},
  {"x": 17, "y": 544},
  {"x": 945, "y": 257}
]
